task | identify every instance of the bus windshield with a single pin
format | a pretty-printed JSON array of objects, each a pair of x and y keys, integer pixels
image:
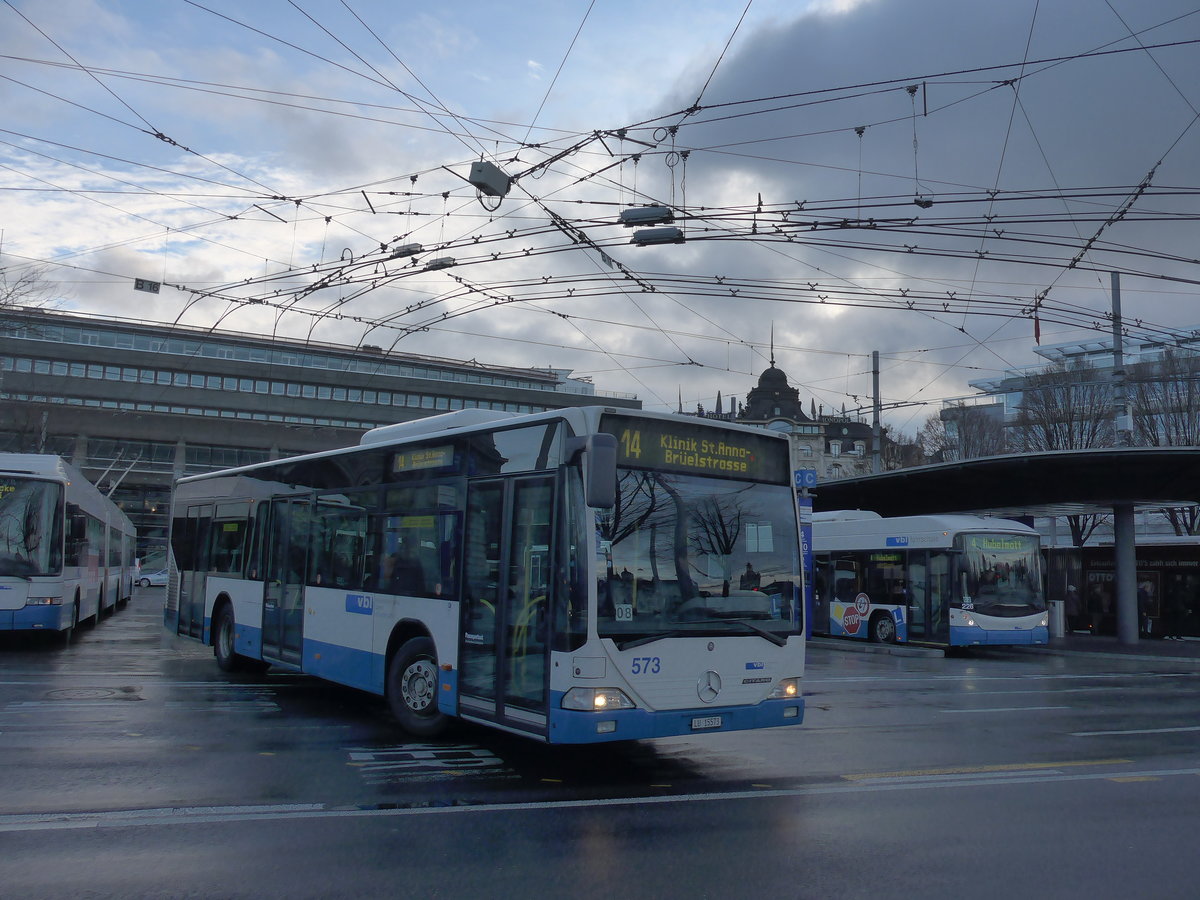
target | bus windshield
[
  {"x": 682, "y": 554},
  {"x": 1001, "y": 574},
  {"x": 30, "y": 527}
]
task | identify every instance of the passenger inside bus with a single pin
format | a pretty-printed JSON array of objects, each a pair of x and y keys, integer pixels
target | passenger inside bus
[
  {"x": 403, "y": 573},
  {"x": 750, "y": 580}
]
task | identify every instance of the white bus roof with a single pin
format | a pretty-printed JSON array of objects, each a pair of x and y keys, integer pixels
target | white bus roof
[
  {"x": 80, "y": 491},
  {"x": 38, "y": 464},
  {"x": 860, "y": 529}
]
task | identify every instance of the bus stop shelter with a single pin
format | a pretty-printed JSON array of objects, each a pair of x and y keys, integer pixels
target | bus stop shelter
[{"x": 1116, "y": 481}]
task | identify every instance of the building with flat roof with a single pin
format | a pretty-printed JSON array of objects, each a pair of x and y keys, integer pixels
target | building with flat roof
[{"x": 135, "y": 405}]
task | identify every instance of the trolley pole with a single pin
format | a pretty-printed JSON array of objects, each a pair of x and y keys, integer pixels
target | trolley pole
[
  {"x": 876, "y": 462},
  {"x": 1124, "y": 540},
  {"x": 1122, "y": 421}
]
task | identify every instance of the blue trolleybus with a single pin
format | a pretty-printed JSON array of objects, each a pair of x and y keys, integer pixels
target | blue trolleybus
[
  {"x": 66, "y": 550},
  {"x": 943, "y": 579},
  {"x": 573, "y": 576}
]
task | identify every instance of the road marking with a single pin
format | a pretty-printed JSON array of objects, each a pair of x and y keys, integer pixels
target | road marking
[
  {"x": 1136, "y": 731},
  {"x": 917, "y": 680},
  {"x": 983, "y": 770},
  {"x": 230, "y": 815},
  {"x": 1003, "y": 709},
  {"x": 425, "y": 762}
]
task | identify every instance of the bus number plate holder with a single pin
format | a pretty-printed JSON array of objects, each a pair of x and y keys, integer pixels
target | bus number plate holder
[{"x": 702, "y": 722}]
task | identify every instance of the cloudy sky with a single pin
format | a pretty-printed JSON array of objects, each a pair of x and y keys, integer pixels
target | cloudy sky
[{"x": 942, "y": 181}]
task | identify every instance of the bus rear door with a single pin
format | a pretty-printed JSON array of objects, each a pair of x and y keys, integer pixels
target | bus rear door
[{"x": 283, "y": 588}]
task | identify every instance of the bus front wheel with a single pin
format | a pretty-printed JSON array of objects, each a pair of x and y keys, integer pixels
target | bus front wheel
[
  {"x": 69, "y": 632},
  {"x": 883, "y": 629},
  {"x": 223, "y": 641},
  {"x": 412, "y": 680}
]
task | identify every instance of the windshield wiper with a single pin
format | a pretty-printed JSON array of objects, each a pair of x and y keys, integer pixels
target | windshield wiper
[
  {"x": 649, "y": 639},
  {"x": 776, "y": 639}
]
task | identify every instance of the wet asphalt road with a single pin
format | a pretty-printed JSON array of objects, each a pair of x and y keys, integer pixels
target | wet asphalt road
[{"x": 130, "y": 766}]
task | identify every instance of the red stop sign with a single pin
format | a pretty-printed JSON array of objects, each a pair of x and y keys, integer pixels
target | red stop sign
[{"x": 851, "y": 620}]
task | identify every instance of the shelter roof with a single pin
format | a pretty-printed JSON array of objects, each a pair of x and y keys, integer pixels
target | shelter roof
[{"x": 1065, "y": 482}]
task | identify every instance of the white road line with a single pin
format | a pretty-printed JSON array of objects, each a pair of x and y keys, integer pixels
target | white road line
[
  {"x": 1136, "y": 731},
  {"x": 233, "y": 814},
  {"x": 1004, "y": 709}
]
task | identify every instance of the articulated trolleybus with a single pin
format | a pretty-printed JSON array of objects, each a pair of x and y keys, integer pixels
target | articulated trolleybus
[
  {"x": 66, "y": 551},
  {"x": 944, "y": 579},
  {"x": 574, "y": 576}
]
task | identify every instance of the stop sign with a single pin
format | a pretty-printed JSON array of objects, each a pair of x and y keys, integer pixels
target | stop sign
[{"x": 851, "y": 620}]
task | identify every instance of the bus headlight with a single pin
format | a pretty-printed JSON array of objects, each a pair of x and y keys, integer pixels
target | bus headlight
[
  {"x": 785, "y": 689},
  {"x": 43, "y": 601},
  {"x": 596, "y": 699},
  {"x": 1045, "y": 621}
]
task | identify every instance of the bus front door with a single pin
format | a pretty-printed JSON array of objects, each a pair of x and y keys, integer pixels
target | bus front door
[
  {"x": 283, "y": 588},
  {"x": 928, "y": 579},
  {"x": 507, "y": 582}
]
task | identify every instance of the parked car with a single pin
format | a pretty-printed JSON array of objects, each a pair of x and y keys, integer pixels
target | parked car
[{"x": 157, "y": 579}]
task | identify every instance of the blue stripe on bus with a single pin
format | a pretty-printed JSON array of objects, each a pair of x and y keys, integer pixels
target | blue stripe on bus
[
  {"x": 344, "y": 665},
  {"x": 247, "y": 640},
  {"x": 448, "y": 691},
  {"x": 576, "y": 727},
  {"x": 39, "y": 618},
  {"x": 964, "y": 635}
]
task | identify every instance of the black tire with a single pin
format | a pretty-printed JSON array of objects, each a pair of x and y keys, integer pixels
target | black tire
[
  {"x": 223, "y": 641},
  {"x": 883, "y": 629},
  {"x": 143, "y": 582},
  {"x": 412, "y": 682},
  {"x": 69, "y": 632}
]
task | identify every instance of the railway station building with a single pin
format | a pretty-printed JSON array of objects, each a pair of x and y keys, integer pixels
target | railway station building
[{"x": 136, "y": 405}]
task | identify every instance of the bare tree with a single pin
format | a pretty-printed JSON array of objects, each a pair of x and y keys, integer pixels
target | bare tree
[
  {"x": 1183, "y": 519},
  {"x": 23, "y": 426},
  {"x": 1082, "y": 526},
  {"x": 968, "y": 432},
  {"x": 25, "y": 287},
  {"x": 898, "y": 450},
  {"x": 936, "y": 444},
  {"x": 1065, "y": 407},
  {"x": 718, "y": 525},
  {"x": 1165, "y": 395}
]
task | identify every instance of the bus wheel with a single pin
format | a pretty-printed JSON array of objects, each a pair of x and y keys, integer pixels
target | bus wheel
[
  {"x": 883, "y": 629},
  {"x": 412, "y": 680},
  {"x": 69, "y": 632},
  {"x": 223, "y": 637}
]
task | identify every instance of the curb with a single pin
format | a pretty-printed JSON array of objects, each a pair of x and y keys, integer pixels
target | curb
[
  {"x": 884, "y": 649},
  {"x": 1098, "y": 654}
]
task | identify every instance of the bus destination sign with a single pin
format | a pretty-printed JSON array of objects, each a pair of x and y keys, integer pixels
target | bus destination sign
[
  {"x": 697, "y": 449},
  {"x": 422, "y": 458}
]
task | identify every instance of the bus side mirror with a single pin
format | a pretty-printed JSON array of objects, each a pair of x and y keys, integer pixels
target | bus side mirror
[
  {"x": 597, "y": 454},
  {"x": 78, "y": 527}
]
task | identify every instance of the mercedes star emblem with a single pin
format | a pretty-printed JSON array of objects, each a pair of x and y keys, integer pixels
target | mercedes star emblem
[{"x": 708, "y": 686}]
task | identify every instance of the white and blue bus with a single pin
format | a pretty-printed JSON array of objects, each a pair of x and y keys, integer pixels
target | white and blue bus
[
  {"x": 573, "y": 576},
  {"x": 955, "y": 580},
  {"x": 66, "y": 550}
]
